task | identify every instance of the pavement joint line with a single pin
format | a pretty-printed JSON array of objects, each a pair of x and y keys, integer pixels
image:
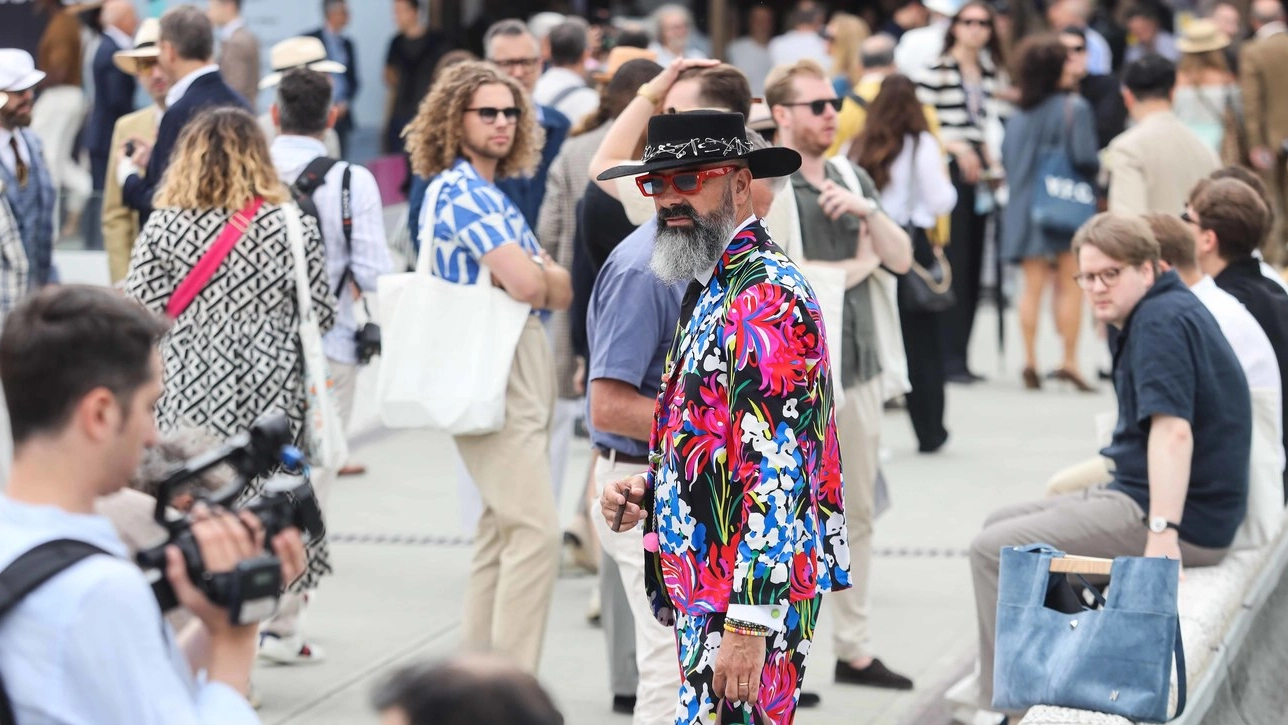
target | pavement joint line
[
  {"x": 427, "y": 540},
  {"x": 376, "y": 667}
]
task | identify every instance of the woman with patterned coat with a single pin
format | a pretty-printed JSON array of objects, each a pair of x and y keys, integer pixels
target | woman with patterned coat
[{"x": 233, "y": 353}]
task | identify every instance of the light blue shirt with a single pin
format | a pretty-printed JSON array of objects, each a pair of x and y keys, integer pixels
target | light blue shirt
[
  {"x": 90, "y": 646},
  {"x": 1100, "y": 59},
  {"x": 335, "y": 51}
]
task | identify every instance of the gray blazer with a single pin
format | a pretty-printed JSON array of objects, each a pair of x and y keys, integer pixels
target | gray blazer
[
  {"x": 1063, "y": 119},
  {"x": 239, "y": 64}
]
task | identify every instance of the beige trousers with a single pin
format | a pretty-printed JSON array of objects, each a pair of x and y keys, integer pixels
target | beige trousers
[
  {"x": 655, "y": 650},
  {"x": 1095, "y": 522},
  {"x": 858, "y": 425},
  {"x": 516, "y": 547}
]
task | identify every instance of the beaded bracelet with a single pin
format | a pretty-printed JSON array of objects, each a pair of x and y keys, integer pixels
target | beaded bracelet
[{"x": 747, "y": 629}]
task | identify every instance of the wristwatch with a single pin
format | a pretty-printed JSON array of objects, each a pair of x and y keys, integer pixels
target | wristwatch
[{"x": 1158, "y": 524}]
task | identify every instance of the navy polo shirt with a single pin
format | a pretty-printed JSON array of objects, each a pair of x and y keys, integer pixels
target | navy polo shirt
[{"x": 1171, "y": 359}]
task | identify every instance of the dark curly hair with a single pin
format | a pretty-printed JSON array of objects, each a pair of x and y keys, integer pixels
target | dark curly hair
[
  {"x": 892, "y": 116},
  {"x": 1039, "y": 68}
]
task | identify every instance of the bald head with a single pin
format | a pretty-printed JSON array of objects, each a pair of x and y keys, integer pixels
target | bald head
[
  {"x": 877, "y": 52},
  {"x": 1068, "y": 13},
  {"x": 1266, "y": 11},
  {"x": 121, "y": 15}
]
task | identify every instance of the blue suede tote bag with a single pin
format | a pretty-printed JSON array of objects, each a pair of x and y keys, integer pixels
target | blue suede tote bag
[
  {"x": 1115, "y": 660},
  {"x": 1063, "y": 199}
]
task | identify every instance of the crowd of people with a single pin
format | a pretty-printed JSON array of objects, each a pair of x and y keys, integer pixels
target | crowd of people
[{"x": 729, "y": 271}]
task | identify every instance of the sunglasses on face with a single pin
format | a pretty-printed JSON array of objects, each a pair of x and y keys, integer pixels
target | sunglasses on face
[
  {"x": 488, "y": 114},
  {"x": 819, "y": 107},
  {"x": 525, "y": 63},
  {"x": 975, "y": 22},
  {"x": 1076, "y": 49},
  {"x": 684, "y": 182}
]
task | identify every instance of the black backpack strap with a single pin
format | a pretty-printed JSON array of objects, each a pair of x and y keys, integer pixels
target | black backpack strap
[
  {"x": 26, "y": 574},
  {"x": 346, "y": 223},
  {"x": 859, "y": 100},
  {"x": 314, "y": 175}
]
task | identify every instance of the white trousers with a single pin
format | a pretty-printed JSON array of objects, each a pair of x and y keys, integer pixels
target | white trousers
[{"x": 56, "y": 117}]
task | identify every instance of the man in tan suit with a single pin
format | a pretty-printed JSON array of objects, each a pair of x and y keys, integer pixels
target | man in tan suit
[
  {"x": 238, "y": 53},
  {"x": 1153, "y": 165},
  {"x": 1265, "y": 111},
  {"x": 121, "y": 223}
]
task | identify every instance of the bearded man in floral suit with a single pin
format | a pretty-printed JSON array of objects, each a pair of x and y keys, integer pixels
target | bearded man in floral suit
[{"x": 743, "y": 504}]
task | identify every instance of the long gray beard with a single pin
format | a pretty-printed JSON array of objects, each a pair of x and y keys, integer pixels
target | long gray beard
[{"x": 680, "y": 253}]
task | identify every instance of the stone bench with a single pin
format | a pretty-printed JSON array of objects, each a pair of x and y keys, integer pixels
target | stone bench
[{"x": 1218, "y": 606}]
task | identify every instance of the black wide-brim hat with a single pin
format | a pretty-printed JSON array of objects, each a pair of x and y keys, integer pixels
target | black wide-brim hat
[{"x": 695, "y": 138}]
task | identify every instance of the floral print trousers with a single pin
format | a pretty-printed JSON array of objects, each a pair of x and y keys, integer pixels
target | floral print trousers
[{"x": 780, "y": 680}]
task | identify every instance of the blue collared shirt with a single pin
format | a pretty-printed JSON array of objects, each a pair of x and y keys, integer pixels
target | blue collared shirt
[
  {"x": 90, "y": 646},
  {"x": 335, "y": 50}
]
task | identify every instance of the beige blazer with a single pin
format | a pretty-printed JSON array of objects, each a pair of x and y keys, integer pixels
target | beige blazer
[
  {"x": 1153, "y": 165},
  {"x": 1265, "y": 91},
  {"x": 121, "y": 223},
  {"x": 239, "y": 64}
]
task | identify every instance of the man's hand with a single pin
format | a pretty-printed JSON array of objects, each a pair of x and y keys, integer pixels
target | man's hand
[
  {"x": 837, "y": 200},
  {"x": 968, "y": 164},
  {"x": 628, "y": 493},
  {"x": 737, "y": 671},
  {"x": 662, "y": 82},
  {"x": 1262, "y": 158},
  {"x": 142, "y": 151},
  {"x": 1166, "y": 545}
]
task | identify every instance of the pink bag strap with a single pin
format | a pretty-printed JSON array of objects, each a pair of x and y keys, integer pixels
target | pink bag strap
[{"x": 205, "y": 268}]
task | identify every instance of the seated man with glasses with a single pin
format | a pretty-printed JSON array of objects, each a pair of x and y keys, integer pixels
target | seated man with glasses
[{"x": 1181, "y": 447}]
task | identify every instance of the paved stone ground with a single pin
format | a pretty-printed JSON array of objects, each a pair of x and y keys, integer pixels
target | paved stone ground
[{"x": 392, "y": 603}]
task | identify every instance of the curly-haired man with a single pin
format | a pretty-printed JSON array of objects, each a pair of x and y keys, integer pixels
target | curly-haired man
[{"x": 476, "y": 126}]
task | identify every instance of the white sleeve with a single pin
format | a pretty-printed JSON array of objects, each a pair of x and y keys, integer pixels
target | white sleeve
[
  {"x": 766, "y": 615},
  {"x": 937, "y": 193},
  {"x": 120, "y": 668}
]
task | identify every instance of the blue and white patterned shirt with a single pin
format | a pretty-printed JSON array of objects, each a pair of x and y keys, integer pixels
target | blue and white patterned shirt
[{"x": 472, "y": 218}]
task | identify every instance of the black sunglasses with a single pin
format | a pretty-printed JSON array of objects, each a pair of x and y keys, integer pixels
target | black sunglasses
[
  {"x": 488, "y": 115},
  {"x": 978, "y": 22},
  {"x": 818, "y": 107}
]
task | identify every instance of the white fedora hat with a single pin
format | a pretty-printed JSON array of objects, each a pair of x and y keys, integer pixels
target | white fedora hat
[
  {"x": 147, "y": 44},
  {"x": 18, "y": 70},
  {"x": 302, "y": 51}
]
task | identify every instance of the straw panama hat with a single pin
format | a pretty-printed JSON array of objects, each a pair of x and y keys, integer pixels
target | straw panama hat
[
  {"x": 146, "y": 45},
  {"x": 303, "y": 51},
  {"x": 1202, "y": 36}
]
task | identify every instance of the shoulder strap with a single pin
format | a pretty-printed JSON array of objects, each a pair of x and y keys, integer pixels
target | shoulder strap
[
  {"x": 859, "y": 100},
  {"x": 846, "y": 168},
  {"x": 209, "y": 263},
  {"x": 346, "y": 225},
  {"x": 561, "y": 95},
  {"x": 314, "y": 175},
  {"x": 25, "y": 575}
]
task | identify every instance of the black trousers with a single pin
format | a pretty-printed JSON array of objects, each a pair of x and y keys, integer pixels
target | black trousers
[
  {"x": 922, "y": 343},
  {"x": 966, "y": 256}
]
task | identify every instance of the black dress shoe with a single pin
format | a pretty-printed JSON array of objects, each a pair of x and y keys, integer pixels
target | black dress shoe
[
  {"x": 625, "y": 704},
  {"x": 932, "y": 446},
  {"x": 808, "y": 699},
  {"x": 874, "y": 675},
  {"x": 964, "y": 377}
]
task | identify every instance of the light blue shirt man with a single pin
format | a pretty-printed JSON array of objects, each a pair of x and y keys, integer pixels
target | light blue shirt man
[{"x": 90, "y": 645}]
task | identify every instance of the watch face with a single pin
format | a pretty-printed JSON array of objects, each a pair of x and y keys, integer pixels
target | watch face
[{"x": 1158, "y": 526}]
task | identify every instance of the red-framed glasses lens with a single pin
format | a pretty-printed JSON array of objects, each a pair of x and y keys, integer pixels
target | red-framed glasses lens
[{"x": 684, "y": 182}]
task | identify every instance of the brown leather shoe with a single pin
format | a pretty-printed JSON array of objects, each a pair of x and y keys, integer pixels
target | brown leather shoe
[{"x": 353, "y": 469}]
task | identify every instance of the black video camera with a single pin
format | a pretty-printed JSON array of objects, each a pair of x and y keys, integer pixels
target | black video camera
[{"x": 250, "y": 591}]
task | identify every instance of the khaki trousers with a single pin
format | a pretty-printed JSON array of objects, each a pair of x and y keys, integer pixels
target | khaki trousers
[
  {"x": 858, "y": 425},
  {"x": 516, "y": 547},
  {"x": 655, "y": 649},
  {"x": 1096, "y": 522}
]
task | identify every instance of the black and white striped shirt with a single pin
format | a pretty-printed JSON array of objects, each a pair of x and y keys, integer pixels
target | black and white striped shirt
[{"x": 941, "y": 86}]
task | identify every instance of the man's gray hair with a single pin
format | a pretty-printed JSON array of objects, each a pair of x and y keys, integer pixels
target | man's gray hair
[
  {"x": 542, "y": 23},
  {"x": 329, "y": 5},
  {"x": 189, "y": 31},
  {"x": 877, "y": 51},
  {"x": 655, "y": 26},
  {"x": 510, "y": 28}
]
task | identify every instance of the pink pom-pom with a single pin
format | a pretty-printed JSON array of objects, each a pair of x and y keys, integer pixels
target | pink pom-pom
[{"x": 650, "y": 542}]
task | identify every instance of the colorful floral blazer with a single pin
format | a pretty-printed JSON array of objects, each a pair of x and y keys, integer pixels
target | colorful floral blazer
[{"x": 745, "y": 485}]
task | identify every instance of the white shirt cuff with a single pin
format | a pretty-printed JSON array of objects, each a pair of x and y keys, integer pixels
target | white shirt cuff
[
  {"x": 773, "y": 616},
  {"x": 124, "y": 169}
]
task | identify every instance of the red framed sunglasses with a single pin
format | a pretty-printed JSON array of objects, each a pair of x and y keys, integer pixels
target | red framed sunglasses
[{"x": 684, "y": 182}]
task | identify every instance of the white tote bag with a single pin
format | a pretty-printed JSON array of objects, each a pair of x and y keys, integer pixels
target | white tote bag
[
  {"x": 324, "y": 431},
  {"x": 447, "y": 347}
]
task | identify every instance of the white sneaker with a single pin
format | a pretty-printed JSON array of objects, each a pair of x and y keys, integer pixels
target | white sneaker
[{"x": 289, "y": 650}]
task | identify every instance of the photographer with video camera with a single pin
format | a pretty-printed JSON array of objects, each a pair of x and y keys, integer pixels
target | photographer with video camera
[{"x": 81, "y": 375}]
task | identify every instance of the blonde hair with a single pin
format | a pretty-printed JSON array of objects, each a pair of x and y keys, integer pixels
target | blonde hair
[
  {"x": 850, "y": 33},
  {"x": 1122, "y": 237},
  {"x": 778, "y": 84},
  {"x": 434, "y": 137},
  {"x": 220, "y": 162},
  {"x": 1194, "y": 65}
]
